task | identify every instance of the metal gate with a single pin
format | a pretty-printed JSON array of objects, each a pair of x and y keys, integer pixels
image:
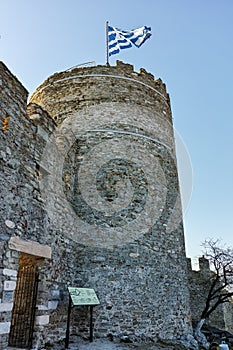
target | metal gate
[{"x": 23, "y": 313}]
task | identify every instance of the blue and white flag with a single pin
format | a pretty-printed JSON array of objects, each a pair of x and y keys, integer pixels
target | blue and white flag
[{"x": 123, "y": 39}]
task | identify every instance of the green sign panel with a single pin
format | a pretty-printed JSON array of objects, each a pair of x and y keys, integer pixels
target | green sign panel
[{"x": 83, "y": 296}]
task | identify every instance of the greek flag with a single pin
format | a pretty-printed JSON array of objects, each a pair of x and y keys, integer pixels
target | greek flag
[{"x": 123, "y": 39}]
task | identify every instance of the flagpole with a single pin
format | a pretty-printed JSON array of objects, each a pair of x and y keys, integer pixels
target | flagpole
[{"x": 107, "y": 50}]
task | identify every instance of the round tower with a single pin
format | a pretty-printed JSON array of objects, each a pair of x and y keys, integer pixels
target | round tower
[{"x": 111, "y": 188}]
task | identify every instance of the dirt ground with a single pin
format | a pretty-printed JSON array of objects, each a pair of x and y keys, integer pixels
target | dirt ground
[{"x": 100, "y": 344}]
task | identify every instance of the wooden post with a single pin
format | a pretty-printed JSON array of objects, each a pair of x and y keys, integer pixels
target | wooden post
[
  {"x": 68, "y": 324},
  {"x": 91, "y": 323}
]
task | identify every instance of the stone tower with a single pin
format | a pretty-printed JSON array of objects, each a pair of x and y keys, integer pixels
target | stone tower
[{"x": 105, "y": 166}]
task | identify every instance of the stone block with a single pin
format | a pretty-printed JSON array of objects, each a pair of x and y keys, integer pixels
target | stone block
[
  {"x": 6, "y": 307},
  {"x": 5, "y": 327},
  {"x": 7, "y": 296},
  {"x": 4, "y": 237},
  {"x": 9, "y": 272},
  {"x": 55, "y": 293},
  {"x": 42, "y": 320},
  {"x": 52, "y": 305},
  {"x": 30, "y": 247},
  {"x": 9, "y": 285},
  {"x": 42, "y": 307},
  {"x": 42, "y": 133}
]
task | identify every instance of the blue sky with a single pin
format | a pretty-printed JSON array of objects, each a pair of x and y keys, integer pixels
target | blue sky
[{"x": 191, "y": 50}]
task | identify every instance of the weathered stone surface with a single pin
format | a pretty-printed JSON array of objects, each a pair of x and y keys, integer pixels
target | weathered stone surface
[
  {"x": 6, "y": 307},
  {"x": 8, "y": 272},
  {"x": 199, "y": 285},
  {"x": 7, "y": 296},
  {"x": 9, "y": 285},
  {"x": 90, "y": 172},
  {"x": 42, "y": 320},
  {"x": 4, "y": 327},
  {"x": 30, "y": 247}
]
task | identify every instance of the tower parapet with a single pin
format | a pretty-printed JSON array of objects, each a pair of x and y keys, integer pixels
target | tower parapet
[{"x": 67, "y": 91}]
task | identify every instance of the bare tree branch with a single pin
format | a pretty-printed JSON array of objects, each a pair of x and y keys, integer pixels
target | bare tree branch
[{"x": 221, "y": 279}]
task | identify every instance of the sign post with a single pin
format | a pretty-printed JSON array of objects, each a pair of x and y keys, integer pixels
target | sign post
[
  {"x": 77, "y": 297},
  {"x": 91, "y": 323},
  {"x": 68, "y": 324}
]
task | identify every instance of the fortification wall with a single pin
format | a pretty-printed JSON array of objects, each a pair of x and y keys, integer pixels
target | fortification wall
[
  {"x": 199, "y": 285},
  {"x": 98, "y": 184},
  {"x": 228, "y": 316},
  {"x": 14, "y": 157},
  {"x": 22, "y": 213}
]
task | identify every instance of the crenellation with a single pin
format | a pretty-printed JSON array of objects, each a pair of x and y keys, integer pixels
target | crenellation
[
  {"x": 82, "y": 81},
  {"x": 144, "y": 73}
]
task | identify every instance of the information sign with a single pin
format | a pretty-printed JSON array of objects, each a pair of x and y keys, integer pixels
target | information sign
[{"x": 83, "y": 296}]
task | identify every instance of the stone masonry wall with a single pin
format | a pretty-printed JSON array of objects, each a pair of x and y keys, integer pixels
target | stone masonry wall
[
  {"x": 66, "y": 92},
  {"x": 22, "y": 213},
  {"x": 199, "y": 284},
  {"x": 113, "y": 188},
  {"x": 228, "y": 316},
  {"x": 98, "y": 184},
  {"x": 14, "y": 156}
]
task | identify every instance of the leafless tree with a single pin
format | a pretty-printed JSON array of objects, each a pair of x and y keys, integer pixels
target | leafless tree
[{"x": 221, "y": 279}]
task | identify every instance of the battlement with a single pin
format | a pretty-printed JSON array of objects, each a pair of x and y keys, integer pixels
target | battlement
[
  {"x": 83, "y": 87},
  {"x": 121, "y": 69}
]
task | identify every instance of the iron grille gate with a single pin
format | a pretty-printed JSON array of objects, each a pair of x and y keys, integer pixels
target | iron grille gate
[{"x": 23, "y": 313}]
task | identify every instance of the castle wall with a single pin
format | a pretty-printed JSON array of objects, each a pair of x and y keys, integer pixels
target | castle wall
[
  {"x": 199, "y": 285},
  {"x": 90, "y": 171},
  {"x": 22, "y": 213},
  {"x": 15, "y": 137},
  {"x": 228, "y": 316}
]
